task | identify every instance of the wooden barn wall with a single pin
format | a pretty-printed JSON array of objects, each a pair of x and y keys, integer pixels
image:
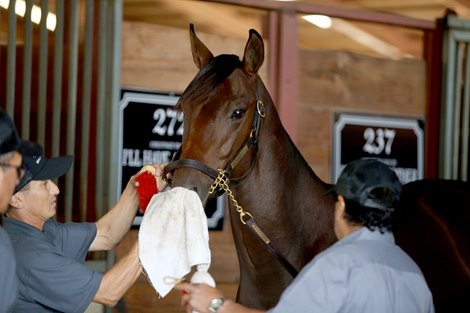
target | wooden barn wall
[
  {"x": 335, "y": 81},
  {"x": 159, "y": 58}
]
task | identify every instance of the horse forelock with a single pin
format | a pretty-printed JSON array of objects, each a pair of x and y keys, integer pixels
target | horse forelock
[{"x": 209, "y": 77}]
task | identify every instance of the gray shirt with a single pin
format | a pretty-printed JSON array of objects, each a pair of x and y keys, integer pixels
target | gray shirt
[
  {"x": 50, "y": 266},
  {"x": 8, "y": 279},
  {"x": 364, "y": 272}
]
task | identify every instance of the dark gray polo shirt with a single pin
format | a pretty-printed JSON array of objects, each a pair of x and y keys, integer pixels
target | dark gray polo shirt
[
  {"x": 8, "y": 279},
  {"x": 50, "y": 266}
]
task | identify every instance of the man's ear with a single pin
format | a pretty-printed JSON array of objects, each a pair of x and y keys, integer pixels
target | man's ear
[
  {"x": 16, "y": 200},
  {"x": 340, "y": 224},
  {"x": 341, "y": 204}
]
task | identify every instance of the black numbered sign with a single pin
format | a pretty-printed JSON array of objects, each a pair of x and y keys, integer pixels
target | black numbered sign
[
  {"x": 151, "y": 131},
  {"x": 398, "y": 142}
]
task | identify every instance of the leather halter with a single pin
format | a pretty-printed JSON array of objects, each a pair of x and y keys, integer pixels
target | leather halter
[{"x": 250, "y": 143}]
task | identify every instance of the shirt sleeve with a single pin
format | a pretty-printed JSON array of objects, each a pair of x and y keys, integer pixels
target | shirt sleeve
[
  {"x": 321, "y": 287},
  {"x": 61, "y": 283},
  {"x": 75, "y": 239}
]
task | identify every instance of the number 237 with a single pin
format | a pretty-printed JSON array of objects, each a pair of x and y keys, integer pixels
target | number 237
[{"x": 378, "y": 140}]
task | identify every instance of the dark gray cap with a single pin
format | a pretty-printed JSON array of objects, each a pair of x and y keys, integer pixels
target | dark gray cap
[
  {"x": 40, "y": 168},
  {"x": 9, "y": 139},
  {"x": 360, "y": 180}
]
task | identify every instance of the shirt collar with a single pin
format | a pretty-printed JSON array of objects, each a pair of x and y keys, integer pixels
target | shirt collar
[
  {"x": 15, "y": 227},
  {"x": 365, "y": 233}
]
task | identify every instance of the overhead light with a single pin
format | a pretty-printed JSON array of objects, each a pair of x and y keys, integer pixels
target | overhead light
[
  {"x": 321, "y": 21},
  {"x": 36, "y": 13},
  {"x": 4, "y": 3}
]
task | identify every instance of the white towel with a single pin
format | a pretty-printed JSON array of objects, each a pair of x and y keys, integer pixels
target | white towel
[{"x": 173, "y": 237}]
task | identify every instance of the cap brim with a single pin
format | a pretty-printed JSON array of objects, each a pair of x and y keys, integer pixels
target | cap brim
[
  {"x": 23, "y": 182},
  {"x": 54, "y": 167}
]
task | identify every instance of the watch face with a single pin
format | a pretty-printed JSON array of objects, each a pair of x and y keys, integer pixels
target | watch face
[{"x": 215, "y": 304}]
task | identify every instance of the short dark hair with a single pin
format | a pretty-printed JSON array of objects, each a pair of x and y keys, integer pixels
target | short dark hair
[
  {"x": 382, "y": 219},
  {"x": 371, "y": 190}
]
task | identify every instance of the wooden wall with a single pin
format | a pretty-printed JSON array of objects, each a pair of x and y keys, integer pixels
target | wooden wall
[
  {"x": 334, "y": 82},
  {"x": 159, "y": 58}
]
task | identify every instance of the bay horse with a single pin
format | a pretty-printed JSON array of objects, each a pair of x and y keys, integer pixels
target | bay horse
[{"x": 234, "y": 142}]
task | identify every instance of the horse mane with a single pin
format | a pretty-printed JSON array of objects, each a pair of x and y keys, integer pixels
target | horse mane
[{"x": 209, "y": 77}]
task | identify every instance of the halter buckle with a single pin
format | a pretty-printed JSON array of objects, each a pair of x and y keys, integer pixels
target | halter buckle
[{"x": 260, "y": 108}]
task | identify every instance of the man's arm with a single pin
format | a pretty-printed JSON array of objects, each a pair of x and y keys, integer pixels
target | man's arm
[
  {"x": 119, "y": 278},
  {"x": 112, "y": 227}
]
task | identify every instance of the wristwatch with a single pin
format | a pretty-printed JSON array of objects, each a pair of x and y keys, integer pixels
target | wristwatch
[{"x": 215, "y": 304}]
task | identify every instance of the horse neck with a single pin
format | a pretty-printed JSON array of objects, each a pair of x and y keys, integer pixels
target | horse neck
[{"x": 284, "y": 193}]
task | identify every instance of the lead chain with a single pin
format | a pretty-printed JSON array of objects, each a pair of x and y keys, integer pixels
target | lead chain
[{"x": 222, "y": 182}]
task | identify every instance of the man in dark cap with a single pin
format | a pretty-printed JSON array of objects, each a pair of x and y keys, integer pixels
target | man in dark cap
[
  {"x": 11, "y": 166},
  {"x": 50, "y": 255},
  {"x": 363, "y": 272},
  {"x": 11, "y": 171}
]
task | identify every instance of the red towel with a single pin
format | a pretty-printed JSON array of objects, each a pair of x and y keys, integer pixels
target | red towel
[{"x": 147, "y": 188}]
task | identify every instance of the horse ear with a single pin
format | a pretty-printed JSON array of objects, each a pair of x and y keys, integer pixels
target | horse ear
[
  {"x": 201, "y": 55},
  {"x": 254, "y": 53}
]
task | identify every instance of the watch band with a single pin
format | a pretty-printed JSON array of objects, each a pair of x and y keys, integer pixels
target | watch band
[{"x": 215, "y": 304}]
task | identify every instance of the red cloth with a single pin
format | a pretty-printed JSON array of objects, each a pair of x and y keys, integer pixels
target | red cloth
[{"x": 146, "y": 189}]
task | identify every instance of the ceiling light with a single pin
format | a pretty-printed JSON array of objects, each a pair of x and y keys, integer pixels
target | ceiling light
[
  {"x": 36, "y": 13},
  {"x": 321, "y": 21}
]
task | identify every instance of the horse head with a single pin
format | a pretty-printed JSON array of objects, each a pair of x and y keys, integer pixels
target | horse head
[{"x": 223, "y": 110}]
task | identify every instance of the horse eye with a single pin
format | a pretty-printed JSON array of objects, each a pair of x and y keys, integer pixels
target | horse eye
[{"x": 238, "y": 114}]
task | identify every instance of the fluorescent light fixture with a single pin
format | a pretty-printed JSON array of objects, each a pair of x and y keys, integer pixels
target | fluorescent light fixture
[
  {"x": 321, "y": 21},
  {"x": 36, "y": 13},
  {"x": 4, "y": 3},
  {"x": 20, "y": 8},
  {"x": 51, "y": 21}
]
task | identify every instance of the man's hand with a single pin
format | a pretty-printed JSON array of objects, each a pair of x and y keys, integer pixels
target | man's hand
[
  {"x": 157, "y": 171},
  {"x": 197, "y": 297}
]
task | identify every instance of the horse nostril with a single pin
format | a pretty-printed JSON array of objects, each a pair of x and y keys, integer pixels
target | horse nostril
[{"x": 194, "y": 189}]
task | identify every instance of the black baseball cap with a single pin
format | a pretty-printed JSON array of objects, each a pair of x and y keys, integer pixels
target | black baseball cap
[
  {"x": 361, "y": 178},
  {"x": 40, "y": 168},
  {"x": 10, "y": 140}
]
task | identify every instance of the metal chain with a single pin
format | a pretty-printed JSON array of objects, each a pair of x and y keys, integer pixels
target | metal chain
[{"x": 222, "y": 181}]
